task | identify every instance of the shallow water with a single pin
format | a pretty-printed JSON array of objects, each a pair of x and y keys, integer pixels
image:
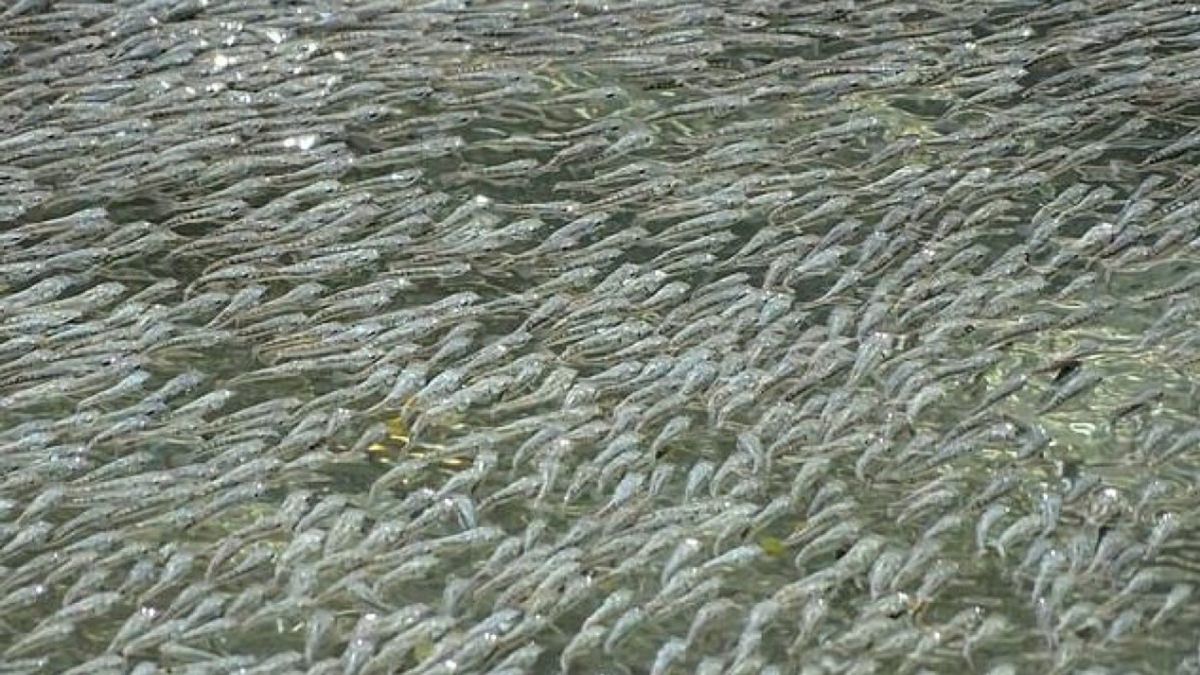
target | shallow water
[{"x": 637, "y": 337}]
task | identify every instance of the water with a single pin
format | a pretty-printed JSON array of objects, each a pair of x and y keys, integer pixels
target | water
[{"x": 606, "y": 338}]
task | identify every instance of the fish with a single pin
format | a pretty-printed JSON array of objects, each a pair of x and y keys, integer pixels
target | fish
[{"x": 576, "y": 319}]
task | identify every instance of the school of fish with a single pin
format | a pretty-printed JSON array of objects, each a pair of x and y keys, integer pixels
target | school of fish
[{"x": 599, "y": 336}]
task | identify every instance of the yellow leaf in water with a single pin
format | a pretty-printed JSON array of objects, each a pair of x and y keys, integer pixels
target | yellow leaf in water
[
  {"x": 772, "y": 546},
  {"x": 397, "y": 429},
  {"x": 455, "y": 463}
]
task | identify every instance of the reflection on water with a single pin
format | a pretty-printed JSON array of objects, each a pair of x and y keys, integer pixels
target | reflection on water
[{"x": 637, "y": 337}]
